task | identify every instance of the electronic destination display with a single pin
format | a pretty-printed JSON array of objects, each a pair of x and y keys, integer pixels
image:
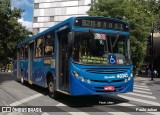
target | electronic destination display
[{"x": 101, "y": 23}]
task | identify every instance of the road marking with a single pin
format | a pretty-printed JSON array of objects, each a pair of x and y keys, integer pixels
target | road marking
[
  {"x": 12, "y": 113},
  {"x": 142, "y": 91},
  {"x": 140, "y": 100},
  {"x": 61, "y": 104},
  {"x": 118, "y": 113},
  {"x": 78, "y": 113},
  {"x": 5, "y": 103},
  {"x": 154, "y": 113},
  {"x": 141, "y": 88},
  {"x": 140, "y": 83},
  {"x": 72, "y": 113},
  {"x": 25, "y": 100},
  {"x": 125, "y": 104},
  {"x": 146, "y": 96},
  {"x": 44, "y": 113}
]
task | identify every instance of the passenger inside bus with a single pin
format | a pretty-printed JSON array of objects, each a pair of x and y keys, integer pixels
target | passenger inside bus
[{"x": 48, "y": 50}]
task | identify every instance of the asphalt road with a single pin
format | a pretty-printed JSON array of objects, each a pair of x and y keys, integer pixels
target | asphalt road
[{"x": 13, "y": 94}]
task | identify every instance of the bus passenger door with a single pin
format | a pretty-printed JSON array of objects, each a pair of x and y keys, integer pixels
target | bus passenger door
[
  {"x": 18, "y": 63},
  {"x": 63, "y": 60},
  {"x": 30, "y": 62}
]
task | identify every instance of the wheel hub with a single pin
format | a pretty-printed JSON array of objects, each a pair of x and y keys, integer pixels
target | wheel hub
[{"x": 51, "y": 87}]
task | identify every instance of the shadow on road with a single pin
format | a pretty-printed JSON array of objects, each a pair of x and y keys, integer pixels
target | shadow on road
[
  {"x": 36, "y": 88},
  {"x": 89, "y": 101},
  {"x": 81, "y": 101}
]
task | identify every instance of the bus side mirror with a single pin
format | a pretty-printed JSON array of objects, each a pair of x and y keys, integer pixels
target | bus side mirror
[{"x": 70, "y": 38}]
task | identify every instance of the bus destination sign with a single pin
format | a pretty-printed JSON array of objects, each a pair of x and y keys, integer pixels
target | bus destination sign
[{"x": 101, "y": 23}]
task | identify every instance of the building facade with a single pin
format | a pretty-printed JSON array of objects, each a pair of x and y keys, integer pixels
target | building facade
[{"x": 50, "y": 12}]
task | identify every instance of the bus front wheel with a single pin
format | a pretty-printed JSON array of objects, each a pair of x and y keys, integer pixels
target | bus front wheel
[{"x": 51, "y": 87}]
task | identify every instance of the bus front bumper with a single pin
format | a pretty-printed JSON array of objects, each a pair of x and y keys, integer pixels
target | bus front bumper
[{"x": 79, "y": 88}]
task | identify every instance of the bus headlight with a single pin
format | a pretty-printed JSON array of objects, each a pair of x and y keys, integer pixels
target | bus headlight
[
  {"x": 76, "y": 74},
  {"x": 131, "y": 75},
  {"x": 125, "y": 80},
  {"x": 82, "y": 79},
  {"x": 129, "y": 78},
  {"x": 88, "y": 81}
]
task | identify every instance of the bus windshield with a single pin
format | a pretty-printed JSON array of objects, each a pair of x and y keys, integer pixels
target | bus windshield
[{"x": 95, "y": 48}]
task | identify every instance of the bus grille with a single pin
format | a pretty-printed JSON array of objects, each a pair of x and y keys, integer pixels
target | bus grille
[
  {"x": 106, "y": 70},
  {"x": 105, "y": 81}
]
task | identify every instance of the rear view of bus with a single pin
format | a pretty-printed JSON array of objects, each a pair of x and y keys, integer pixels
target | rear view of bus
[{"x": 100, "y": 61}]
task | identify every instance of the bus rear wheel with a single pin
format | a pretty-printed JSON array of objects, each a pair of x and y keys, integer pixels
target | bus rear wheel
[{"x": 51, "y": 88}]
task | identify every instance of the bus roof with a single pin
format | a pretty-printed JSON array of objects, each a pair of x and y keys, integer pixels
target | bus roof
[{"x": 61, "y": 24}]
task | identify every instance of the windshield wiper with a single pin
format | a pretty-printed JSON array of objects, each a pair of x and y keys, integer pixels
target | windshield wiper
[
  {"x": 111, "y": 45},
  {"x": 115, "y": 41},
  {"x": 91, "y": 31}
]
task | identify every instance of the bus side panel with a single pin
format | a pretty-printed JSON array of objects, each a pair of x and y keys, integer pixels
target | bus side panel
[
  {"x": 47, "y": 68},
  {"x": 40, "y": 71},
  {"x": 15, "y": 68},
  {"x": 24, "y": 68}
]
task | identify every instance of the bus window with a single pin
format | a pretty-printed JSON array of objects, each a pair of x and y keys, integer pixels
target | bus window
[
  {"x": 48, "y": 47},
  {"x": 95, "y": 50},
  {"x": 39, "y": 48},
  {"x": 26, "y": 51},
  {"x": 22, "y": 52}
]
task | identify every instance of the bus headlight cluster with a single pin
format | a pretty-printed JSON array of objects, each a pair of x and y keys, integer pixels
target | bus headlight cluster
[
  {"x": 76, "y": 74},
  {"x": 88, "y": 81},
  {"x": 81, "y": 78},
  {"x": 129, "y": 78}
]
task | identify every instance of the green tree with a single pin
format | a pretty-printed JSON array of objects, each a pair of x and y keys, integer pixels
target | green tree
[
  {"x": 138, "y": 13},
  {"x": 11, "y": 31}
]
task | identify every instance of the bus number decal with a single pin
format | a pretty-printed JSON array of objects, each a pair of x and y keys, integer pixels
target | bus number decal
[{"x": 122, "y": 75}]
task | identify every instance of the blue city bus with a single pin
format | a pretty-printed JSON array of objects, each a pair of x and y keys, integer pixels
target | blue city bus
[{"x": 79, "y": 56}]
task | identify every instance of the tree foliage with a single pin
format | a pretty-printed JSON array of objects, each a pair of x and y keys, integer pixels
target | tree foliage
[
  {"x": 138, "y": 13},
  {"x": 11, "y": 31}
]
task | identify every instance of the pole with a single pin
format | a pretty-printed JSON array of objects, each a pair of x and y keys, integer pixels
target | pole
[
  {"x": 152, "y": 47},
  {"x": 152, "y": 50}
]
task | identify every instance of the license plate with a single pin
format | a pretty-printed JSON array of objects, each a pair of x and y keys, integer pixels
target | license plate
[{"x": 109, "y": 88}]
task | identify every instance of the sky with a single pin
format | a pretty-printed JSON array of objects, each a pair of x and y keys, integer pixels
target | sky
[{"x": 27, "y": 6}]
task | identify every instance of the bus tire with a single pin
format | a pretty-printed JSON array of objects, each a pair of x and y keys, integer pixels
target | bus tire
[
  {"x": 51, "y": 89},
  {"x": 22, "y": 78}
]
